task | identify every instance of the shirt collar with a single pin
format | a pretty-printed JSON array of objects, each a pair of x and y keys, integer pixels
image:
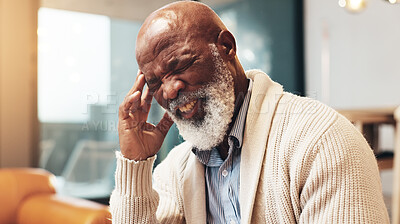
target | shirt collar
[{"x": 209, "y": 157}]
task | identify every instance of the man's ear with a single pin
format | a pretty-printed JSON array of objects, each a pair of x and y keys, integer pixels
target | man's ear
[{"x": 226, "y": 43}]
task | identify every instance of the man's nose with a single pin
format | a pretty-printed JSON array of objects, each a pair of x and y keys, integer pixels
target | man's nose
[{"x": 171, "y": 88}]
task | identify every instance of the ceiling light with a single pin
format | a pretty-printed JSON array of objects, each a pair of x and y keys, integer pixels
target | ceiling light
[
  {"x": 358, "y": 5},
  {"x": 355, "y": 5}
]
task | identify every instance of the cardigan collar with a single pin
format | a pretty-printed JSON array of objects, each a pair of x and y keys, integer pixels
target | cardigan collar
[{"x": 263, "y": 102}]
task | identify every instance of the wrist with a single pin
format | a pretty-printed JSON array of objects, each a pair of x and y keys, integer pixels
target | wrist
[
  {"x": 135, "y": 156},
  {"x": 133, "y": 177}
]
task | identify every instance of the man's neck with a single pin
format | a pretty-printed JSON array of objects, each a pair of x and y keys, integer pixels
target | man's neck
[{"x": 224, "y": 146}]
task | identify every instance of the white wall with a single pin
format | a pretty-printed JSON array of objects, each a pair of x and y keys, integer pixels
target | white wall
[{"x": 360, "y": 66}]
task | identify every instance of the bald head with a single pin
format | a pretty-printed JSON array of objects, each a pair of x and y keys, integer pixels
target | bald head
[{"x": 177, "y": 22}]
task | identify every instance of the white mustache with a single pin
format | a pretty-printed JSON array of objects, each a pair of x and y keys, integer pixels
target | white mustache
[{"x": 184, "y": 98}]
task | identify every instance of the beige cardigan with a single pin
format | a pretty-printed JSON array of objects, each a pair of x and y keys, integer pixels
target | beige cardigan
[{"x": 301, "y": 162}]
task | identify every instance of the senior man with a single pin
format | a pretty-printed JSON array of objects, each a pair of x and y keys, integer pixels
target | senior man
[{"x": 252, "y": 152}]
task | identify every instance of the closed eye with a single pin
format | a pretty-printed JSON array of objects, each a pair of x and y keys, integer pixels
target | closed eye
[
  {"x": 153, "y": 83},
  {"x": 186, "y": 66}
]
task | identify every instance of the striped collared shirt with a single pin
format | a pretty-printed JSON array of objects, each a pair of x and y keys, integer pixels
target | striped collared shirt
[{"x": 223, "y": 176}]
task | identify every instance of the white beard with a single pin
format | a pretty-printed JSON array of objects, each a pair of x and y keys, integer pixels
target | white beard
[{"x": 219, "y": 106}]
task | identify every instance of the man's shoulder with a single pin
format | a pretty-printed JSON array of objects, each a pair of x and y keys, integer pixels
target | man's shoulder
[
  {"x": 300, "y": 108},
  {"x": 306, "y": 116},
  {"x": 302, "y": 127}
]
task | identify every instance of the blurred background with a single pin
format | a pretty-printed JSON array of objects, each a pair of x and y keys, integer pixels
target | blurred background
[{"x": 66, "y": 65}]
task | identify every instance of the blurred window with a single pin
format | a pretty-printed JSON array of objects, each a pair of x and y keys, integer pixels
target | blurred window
[{"x": 86, "y": 65}]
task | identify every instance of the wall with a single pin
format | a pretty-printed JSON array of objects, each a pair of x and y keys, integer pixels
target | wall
[
  {"x": 360, "y": 63},
  {"x": 269, "y": 36},
  {"x": 18, "y": 101},
  {"x": 122, "y": 9}
]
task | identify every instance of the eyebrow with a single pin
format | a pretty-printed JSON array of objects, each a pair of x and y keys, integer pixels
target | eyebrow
[
  {"x": 152, "y": 80},
  {"x": 181, "y": 60}
]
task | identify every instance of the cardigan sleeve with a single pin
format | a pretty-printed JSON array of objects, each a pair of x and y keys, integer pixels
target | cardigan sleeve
[
  {"x": 343, "y": 185},
  {"x": 134, "y": 200}
]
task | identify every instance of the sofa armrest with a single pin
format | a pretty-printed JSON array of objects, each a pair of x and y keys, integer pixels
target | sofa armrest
[
  {"x": 53, "y": 208},
  {"x": 17, "y": 184}
]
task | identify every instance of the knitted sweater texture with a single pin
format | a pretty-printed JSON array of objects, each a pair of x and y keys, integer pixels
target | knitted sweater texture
[{"x": 302, "y": 162}]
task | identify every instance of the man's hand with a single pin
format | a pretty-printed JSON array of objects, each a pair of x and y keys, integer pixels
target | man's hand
[{"x": 138, "y": 139}]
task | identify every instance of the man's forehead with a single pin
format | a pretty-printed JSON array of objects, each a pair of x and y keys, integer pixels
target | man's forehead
[
  {"x": 158, "y": 45},
  {"x": 158, "y": 26},
  {"x": 156, "y": 34},
  {"x": 162, "y": 22},
  {"x": 169, "y": 59}
]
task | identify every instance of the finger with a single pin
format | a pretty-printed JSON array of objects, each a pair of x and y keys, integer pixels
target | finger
[
  {"x": 165, "y": 124},
  {"x": 134, "y": 102},
  {"x": 138, "y": 87},
  {"x": 135, "y": 84},
  {"x": 146, "y": 100},
  {"x": 126, "y": 105},
  {"x": 140, "y": 83},
  {"x": 133, "y": 89}
]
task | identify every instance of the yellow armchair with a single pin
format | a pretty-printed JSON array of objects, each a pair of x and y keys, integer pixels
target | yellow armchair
[{"x": 28, "y": 196}]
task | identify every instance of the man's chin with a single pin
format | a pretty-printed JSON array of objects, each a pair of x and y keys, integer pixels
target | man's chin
[
  {"x": 200, "y": 136},
  {"x": 206, "y": 131}
]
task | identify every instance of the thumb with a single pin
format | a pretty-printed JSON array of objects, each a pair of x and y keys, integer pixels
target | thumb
[{"x": 165, "y": 124}]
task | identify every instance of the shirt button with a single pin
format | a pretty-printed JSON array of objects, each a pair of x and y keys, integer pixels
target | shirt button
[
  {"x": 224, "y": 173},
  {"x": 232, "y": 221}
]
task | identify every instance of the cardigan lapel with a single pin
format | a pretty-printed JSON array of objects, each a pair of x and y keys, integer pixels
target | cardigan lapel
[
  {"x": 194, "y": 197},
  {"x": 265, "y": 95}
]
